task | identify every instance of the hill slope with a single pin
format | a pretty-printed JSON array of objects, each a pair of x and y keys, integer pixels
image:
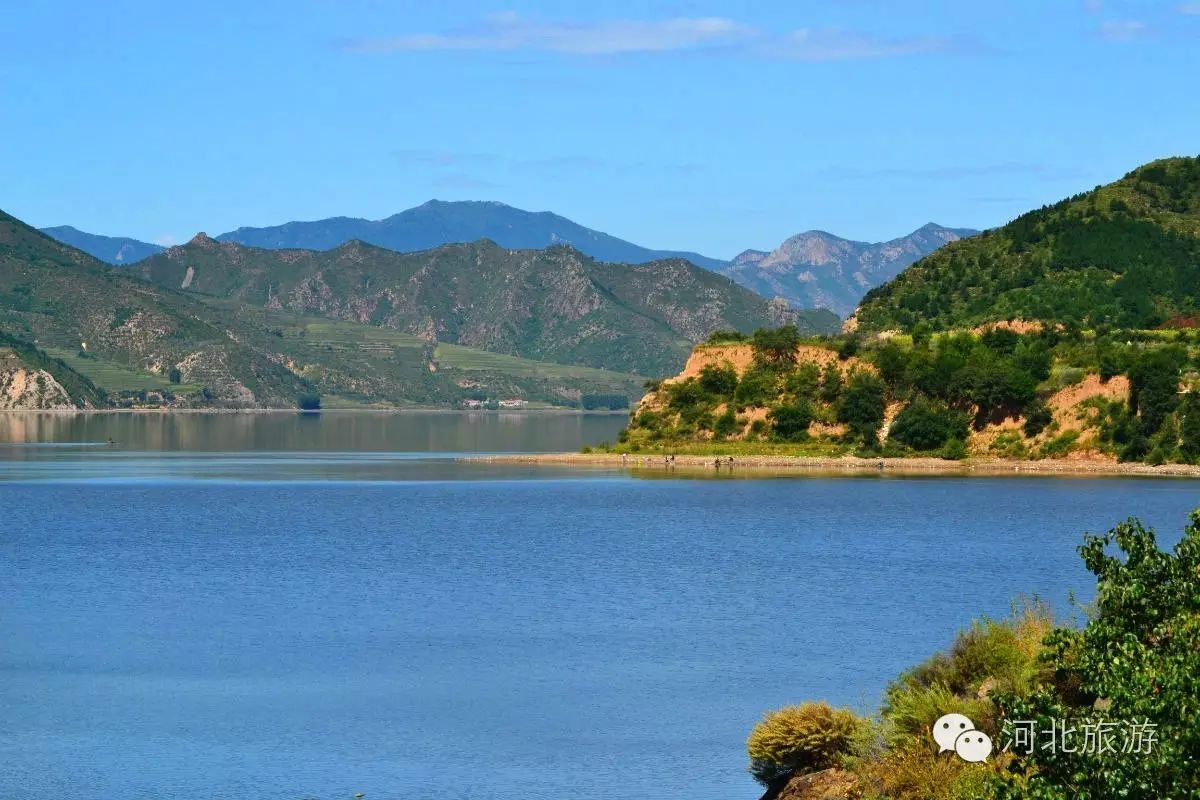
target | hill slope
[
  {"x": 552, "y": 305},
  {"x": 59, "y": 297},
  {"x": 31, "y": 380},
  {"x": 439, "y": 222},
  {"x": 819, "y": 270},
  {"x": 1126, "y": 254},
  {"x": 110, "y": 249}
]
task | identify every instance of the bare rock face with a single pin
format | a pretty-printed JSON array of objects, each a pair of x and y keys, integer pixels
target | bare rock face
[
  {"x": 828, "y": 784},
  {"x": 25, "y": 389}
]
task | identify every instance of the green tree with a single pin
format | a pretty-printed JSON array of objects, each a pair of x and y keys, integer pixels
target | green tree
[
  {"x": 1189, "y": 430},
  {"x": 719, "y": 381},
  {"x": 790, "y": 422},
  {"x": 862, "y": 406},
  {"x": 1137, "y": 658},
  {"x": 831, "y": 383},
  {"x": 758, "y": 387},
  {"x": 309, "y": 401},
  {"x": 928, "y": 425},
  {"x": 804, "y": 382},
  {"x": 1037, "y": 417},
  {"x": 1154, "y": 385},
  {"x": 776, "y": 347}
]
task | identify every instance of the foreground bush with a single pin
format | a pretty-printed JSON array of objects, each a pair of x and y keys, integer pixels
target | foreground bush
[
  {"x": 799, "y": 739},
  {"x": 927, "y": 425}
]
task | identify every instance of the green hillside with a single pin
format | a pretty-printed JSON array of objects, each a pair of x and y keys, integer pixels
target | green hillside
[
  {"x": 1124, "y": 255},
  {"x": 103, "y": 331},
  {"x": 553, "y": 305},
  {"x": 66, "y": 301},
  {"x": 80, "y": 389}
]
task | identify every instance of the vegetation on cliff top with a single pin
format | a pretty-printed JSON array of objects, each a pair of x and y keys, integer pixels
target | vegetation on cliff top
[
  {"x": 1131, "y": 667},
  {"x": 1123, "y": 255},
  {"x": 1035, "y": 394}
]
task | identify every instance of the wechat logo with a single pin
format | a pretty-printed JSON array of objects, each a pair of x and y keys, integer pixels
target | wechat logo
[{"x": 956, "y": 732}]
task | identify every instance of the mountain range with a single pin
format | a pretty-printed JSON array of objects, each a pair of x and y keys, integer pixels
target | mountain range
[
  {"x": 439, "y": 222},
  {"x": 810, "y": 270},
  {"x": 220, "y": 324},
  {"x": 1122, "y": 255},
  {"x": 553, "y": 304},
  {"x": 819, "y": 270}
]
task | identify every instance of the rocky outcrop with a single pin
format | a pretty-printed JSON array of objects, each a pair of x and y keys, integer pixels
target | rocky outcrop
[
  {"x": 828, "y": 784},
  {"x": 23, "y": 388}
]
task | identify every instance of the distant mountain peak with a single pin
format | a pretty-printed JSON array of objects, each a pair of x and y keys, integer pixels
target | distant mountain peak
[
  {"x": 817, "y": 268},
  {"x": 438, "y": 222}
]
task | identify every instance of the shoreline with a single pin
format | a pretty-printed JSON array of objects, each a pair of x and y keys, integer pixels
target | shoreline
[
  {"x": 364, "y": 410},
  {"x": 844, "y": 465}
]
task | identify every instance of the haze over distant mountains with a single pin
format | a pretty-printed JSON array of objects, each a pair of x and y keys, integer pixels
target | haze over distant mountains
[
  {"x": 110, "y": 249},
  {"x": 439, "y": 222},
  {"x": 810, "y": 270},
  {"x": 816, "y": 269}
]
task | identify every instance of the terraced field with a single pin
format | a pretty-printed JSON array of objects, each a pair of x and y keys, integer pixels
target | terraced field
[
  {"x": 467, "y": 358},
  {"x": 117, "y": 378}
]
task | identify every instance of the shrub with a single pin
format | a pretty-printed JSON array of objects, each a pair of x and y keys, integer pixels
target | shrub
[
  {"x": 831, "y": 383},
  {"x": 726, "y": 424},
  {"x": 862, "y": 406},
  {"x": 1060, "y": 445},
  {"x": 954, "y": 450},
  {"x": 309, "y": 401},
  {"x": 1037, "y": 417},
  {"x": 719, "y": 381},
  {"x": 804, "y": 382},
  {"x": 758, "y": 387},
  {"x": 790, "y": 422},
  {"x": 800, "y": 739},
  {"x": 776, "y": 347},
  {"x": 725, "y": 337},
  {"x": 927, "y": 425},
  {"x": 684, "y": 395},
  {"x": 174, "y": 375}
]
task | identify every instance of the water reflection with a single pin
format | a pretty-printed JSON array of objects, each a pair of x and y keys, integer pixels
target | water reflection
[{"x": 331, "y": 431}]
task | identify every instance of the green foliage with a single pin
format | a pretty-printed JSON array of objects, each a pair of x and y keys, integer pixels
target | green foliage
[
  {"x": 804, "y": 382},
  {"x": 1138, "y": 657},
  {"x": 610, "y": 401},
  {"x": 79, "y": 388},
  {"x": 726, "y": 424},
  {"x": 862, "y": 406},
  {"x": 831, "y": 383},
  {"x": 790, "y": 422},
  {"x": 758, "y": 387},
  {"x": 1037, "y": 417},
  {"x": 174, "y": 375},
  {"x": 928, "y": 425},
  {"x": 776, "y": 347},
  {"x": 725, "y": 337},
  {"x": 1154, "y": 385},
  {"x": 800, "y": 739},
  {"x": 1189, "y": 430},
  {"x": 1123, "y": 255},
  {"x": 719, "y": 381}
]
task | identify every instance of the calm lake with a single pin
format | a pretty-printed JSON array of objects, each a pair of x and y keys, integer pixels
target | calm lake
[{"x": 283, "y": 607}]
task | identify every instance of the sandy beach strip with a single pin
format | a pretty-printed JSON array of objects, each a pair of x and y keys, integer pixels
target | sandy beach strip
[{"x": 844, "y": 464}]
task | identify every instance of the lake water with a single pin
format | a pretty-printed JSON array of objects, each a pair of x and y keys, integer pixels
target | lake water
[{"x": 271, "y": 607}]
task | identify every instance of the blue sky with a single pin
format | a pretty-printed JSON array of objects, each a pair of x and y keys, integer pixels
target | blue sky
[{"x": 711, "y": 126}]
